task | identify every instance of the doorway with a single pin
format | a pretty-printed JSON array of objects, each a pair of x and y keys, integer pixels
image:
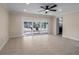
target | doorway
[{"x": 59, "y": 26}]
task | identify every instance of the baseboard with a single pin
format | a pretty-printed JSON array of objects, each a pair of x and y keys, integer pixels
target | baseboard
[
  {"x": 20, "y": 35},
  {"x": 16, "y": 36},
  {"x": 3, "y": 43},
  {"x": 73, "y": 38}
]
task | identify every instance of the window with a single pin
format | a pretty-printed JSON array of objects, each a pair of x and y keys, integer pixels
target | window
[
  {"x": 44, "y": 25},
  {"x": 27, "y": 24}
]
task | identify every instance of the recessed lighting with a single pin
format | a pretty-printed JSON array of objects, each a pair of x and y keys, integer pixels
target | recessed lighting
[
  {"x": 24, "y": 10},
  {"x": 27, "y": 3},
  {"x": 60, "y": 10}
]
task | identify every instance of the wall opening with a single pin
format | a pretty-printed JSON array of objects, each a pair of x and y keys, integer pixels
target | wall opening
[{"x": 59, "y": 26}]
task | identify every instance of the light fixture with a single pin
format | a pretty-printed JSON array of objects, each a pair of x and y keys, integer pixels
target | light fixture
[
  {"x": 27, "y": 3},
  {"x": 46, "y": 10},
  {"x": 24, "y": 10},
  {"x": 60, "y": 10}
]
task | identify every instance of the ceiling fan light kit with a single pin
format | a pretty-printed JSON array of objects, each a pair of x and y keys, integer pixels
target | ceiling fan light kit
[{"x": 47, "y": 10}]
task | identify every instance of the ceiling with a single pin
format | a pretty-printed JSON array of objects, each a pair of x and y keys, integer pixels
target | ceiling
[{"x": 34, "y": 8}]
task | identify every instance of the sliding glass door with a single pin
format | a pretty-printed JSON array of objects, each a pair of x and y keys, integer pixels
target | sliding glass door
[
  {"x": 44, "y": 27},
  {"x": 35, "y": 27}
]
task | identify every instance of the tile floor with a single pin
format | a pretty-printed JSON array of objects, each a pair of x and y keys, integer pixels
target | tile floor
[{"x": 41, "y": 45}]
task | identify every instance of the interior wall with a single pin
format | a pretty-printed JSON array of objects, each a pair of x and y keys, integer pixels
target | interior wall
[
  {"x": 53, "y": 25},
  {"x": 71, "y": 25},
  {"x": 15, "y": 25},
  {"x": 3, "y": 25},
  {"x": 16, "y": 22}
]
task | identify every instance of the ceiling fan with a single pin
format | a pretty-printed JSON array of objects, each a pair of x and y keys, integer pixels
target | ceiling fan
[{"x": 48, "y": 8}]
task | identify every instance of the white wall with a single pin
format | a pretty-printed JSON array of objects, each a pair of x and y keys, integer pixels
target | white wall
[
  {"x": 53, "y": 25},
  {"x": 3, "y": 26},
  {"x": 15, "y": 25},
  {"x": 16, "y": 22},
  {"x": 71, "y": 25}
]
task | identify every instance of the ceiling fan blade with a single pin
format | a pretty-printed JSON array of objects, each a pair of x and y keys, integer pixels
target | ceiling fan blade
[
  {"x": 42, "y": 7},
  {"x": 53, "y": 6},
  {"x": 53, "y": 10},
  {"x": 47, "y": 7}
]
